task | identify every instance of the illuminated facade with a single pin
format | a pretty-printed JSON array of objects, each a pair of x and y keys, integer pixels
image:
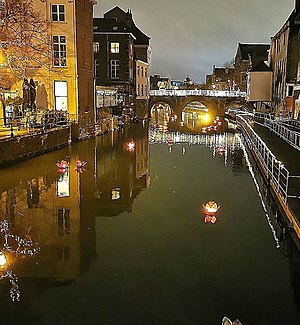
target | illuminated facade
[{"x": 68, "y": 86}]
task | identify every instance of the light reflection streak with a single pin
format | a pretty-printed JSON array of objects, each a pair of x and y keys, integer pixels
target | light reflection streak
[{"x": 259, "y": 194}]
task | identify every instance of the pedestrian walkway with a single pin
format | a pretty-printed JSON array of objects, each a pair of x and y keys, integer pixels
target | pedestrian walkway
[{"x": 289, "y": 156}]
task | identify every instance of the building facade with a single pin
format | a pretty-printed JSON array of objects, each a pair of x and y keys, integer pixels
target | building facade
[
  {"x": 284, "y": 60},
  {"x": 248, "y": 56},
  {"x": 67, "y": 83},
  {"x": 122, "y": 57},
  {"x": 221, "y": 78}
]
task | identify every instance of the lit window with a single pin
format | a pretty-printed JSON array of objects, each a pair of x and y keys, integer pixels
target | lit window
[
  {"x": 96, "y": 47},
  {"x": 115, "y": 69},
  {"x": 59, "y": 51},
  {"x": 61, "y": 95},
  {"x": 114, "y": 47},
  {"x": 58, "y": 13}
]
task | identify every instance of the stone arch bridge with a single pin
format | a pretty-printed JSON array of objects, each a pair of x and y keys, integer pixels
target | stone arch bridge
[{"x": 216, "y": 102}]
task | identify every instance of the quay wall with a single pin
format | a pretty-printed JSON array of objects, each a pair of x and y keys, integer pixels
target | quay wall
[{"x": 23, "y": 147}]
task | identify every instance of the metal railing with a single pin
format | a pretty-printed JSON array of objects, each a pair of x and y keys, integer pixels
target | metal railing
[
  {"x": 197, "y": 92},
  {"x": 15, "y": 125},
  {"x": 280, "y": 127},
  {"x": 275, "y": 170}
]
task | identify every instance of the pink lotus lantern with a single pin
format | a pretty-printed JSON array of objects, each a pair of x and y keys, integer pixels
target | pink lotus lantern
[{"x": 63, "y": 166}]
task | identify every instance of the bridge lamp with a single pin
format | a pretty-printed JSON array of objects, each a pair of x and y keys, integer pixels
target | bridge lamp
[
  {"x": 3, "y": 260},
  {"x": 206, "y": 118}
]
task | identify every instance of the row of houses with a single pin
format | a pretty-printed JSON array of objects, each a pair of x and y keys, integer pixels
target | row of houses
[
  {"x": 96, "y": 63},
  {"x": 269, "y": 73}
]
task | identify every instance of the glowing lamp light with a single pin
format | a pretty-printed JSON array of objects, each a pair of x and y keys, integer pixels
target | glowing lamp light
[
  {"x": 206, "y": 118},
  {"x": 3, "y": 260},
  {"x": 130, "y": 146}
]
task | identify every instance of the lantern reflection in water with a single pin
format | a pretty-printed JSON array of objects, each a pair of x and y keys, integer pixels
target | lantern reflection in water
[{"x": 14, "y": 244}]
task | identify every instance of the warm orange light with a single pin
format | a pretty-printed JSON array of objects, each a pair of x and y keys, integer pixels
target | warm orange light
[
  {"x": 206, "y": 118},
  {"x": 3, "y": 260}
]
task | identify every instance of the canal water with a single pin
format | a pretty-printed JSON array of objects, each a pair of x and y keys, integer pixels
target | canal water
[{"x": 124, "y": 240}]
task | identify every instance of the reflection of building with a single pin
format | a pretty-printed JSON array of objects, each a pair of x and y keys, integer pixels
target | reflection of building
[
  {"x": 54, "y": 225},
  {"x": 122, "y": 56},
  {"x": 122, "y": 173}
]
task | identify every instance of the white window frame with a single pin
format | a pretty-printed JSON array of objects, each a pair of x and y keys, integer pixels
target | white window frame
[
  {"x": 58, "y": 13},
  {"x": 61, "y": 95},
  {"x": 59, "y": 51},
  {"x": 96, "y": 47},
  {"x": 115, "y": 69}
]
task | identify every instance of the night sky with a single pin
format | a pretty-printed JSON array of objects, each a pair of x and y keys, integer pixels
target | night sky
[{"x": 189, "y": 36}]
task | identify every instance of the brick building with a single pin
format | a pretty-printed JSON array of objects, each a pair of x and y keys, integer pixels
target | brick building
[
  {"x": 284, "y": 60},
  {"x": 122, "y": 57}
]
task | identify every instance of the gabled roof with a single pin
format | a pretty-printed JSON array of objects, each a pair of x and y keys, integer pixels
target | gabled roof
[
  {"x": 256, "y": 51},
  {"x": 118, "y": 18},
  {"x": 109, "y": 25},
  {"x": 261, "y": 66}
]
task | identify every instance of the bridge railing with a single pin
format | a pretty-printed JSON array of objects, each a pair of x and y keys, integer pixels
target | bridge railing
[
  {"x": 280, "y": 127},
  {"x": 277, "y": 173},
  {"x": 197, "y": 92}
]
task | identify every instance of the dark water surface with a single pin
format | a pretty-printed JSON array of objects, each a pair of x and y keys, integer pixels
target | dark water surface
[{"x": 125, "y": 242}]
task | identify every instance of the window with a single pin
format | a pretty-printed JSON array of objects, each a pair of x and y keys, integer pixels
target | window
[
  {"x": 58, "y": 13},
  {"x": 96, "y": 47},
  {"x": 96, "y": 67},
  {"x": 61, "y": 95},
  {"x": 115, "y": 69},
  {"x": 145, "y": 90},
  {"x": 142, "y": 71},
  {"x": 59, "y": 51},
  {"x": 114, "y": 47},
  {"x": 145, "y": 72},
  {"x": 138, "y": 70}
]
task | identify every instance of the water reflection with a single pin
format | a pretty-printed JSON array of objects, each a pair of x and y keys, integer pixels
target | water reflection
[
  {"x": 130, "y": 245},
  {"x": 59, "y": 208}
]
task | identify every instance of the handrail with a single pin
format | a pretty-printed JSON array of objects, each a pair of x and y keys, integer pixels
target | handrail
[
  {"x": 32, "y": 123},
  {"x": 197, "y": 92},
  {"x": 276, "y": 172},
  {"x": 279, "y": 127}
]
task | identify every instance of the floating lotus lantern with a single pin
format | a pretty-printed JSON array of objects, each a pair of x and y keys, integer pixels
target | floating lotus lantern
[
  {"x": 80, "y": 164},
  {"x": 227, "y": 321},
  {"x": 63, "y": 166},
  {"x": 210, "y": 208}
]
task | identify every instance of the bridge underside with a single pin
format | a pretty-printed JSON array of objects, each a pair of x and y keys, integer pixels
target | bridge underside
[{"x": 216, "y": 106}]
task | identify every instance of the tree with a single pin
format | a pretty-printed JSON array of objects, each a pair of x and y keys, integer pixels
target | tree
[
  {"x": 24, "y": 37},
  {"x": 229, "y": 64}
]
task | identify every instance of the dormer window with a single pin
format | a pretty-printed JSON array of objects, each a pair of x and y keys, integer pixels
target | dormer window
[{"x": 115, "y": 27}]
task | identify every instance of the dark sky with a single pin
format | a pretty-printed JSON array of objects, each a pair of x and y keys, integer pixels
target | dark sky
[{"x": 189, "y": 36}]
